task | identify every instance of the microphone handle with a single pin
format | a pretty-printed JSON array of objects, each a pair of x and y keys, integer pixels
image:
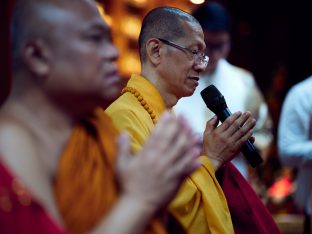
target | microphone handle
[{"x": 248, "y": 149}]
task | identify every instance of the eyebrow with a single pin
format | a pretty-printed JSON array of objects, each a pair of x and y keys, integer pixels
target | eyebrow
[{"x": 102, "y": 28}]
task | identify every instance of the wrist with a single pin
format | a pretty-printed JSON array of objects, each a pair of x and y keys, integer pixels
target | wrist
[
  {"x": 139, "y": 206},
  {"x": 217, "y": 162}
]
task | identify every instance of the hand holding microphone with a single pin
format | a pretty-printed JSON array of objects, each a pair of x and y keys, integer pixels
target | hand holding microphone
[{"x": 216, "y": 103}]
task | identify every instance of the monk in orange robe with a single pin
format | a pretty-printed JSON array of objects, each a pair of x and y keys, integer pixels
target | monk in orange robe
[
  {"x": 60, "y": 78},
  {"x": 87, "y": 170}
]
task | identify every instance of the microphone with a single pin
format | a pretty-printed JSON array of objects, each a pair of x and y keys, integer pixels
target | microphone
[{"x": 216, "y": 103}]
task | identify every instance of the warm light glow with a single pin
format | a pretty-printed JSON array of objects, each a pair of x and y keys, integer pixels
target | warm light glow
[
  {"x": 197, "y": 1},
  {"x": 282, "y": 188},
  {"x": 130, "y": 63},
  {"x": 138, "y": 3},
  {"x": 131, "y": 26}
]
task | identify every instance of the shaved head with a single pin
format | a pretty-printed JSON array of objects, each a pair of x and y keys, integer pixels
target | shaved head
[
  {"x": 35, "y": 19},
  {"x": 163, "y": 22},
  {"x": 64, "y": 50}
]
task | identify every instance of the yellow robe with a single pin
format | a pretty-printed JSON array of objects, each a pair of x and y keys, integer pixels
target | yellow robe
[
  {"x": 85, "y": 186},
  {"x": 200, "y": 205}
]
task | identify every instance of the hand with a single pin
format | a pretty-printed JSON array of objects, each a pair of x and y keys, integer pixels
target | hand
[
  {"x": 153, "y": 176},
  {"x": 222, "y": 143}
]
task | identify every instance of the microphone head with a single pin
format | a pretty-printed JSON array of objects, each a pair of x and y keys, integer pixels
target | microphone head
[{"x": 213, "y": 98}]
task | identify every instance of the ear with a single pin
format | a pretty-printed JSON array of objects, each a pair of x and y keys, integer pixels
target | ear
[
  {"x": 36, "y": 58},
  {"x": 153, "y": 51}
]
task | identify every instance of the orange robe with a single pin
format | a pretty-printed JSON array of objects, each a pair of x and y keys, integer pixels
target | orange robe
[{"x": 85, "y": 185}]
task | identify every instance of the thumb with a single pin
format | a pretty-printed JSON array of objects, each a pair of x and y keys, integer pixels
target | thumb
[{"x": 212, "y": 124}]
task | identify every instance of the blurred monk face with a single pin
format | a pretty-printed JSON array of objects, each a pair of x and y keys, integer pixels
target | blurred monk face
[{"x": 81, "y": 55}]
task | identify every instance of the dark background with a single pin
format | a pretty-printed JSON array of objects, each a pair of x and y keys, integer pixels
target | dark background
[{"x": 273, "y": 40}]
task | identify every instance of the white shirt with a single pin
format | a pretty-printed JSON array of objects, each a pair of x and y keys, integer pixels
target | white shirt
[
  {"x": 238, "y": 88},
  {"x": 295, "y": 137}
]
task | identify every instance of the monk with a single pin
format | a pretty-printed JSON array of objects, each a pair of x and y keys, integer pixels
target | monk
[
  {"x": 64, "y": 71},
  {"x": 172, "y": 47}
]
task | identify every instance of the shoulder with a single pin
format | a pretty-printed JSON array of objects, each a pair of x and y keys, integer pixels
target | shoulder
[
  {"x": 15, "y": 139},
  {"x": 300, "y": 95},
  {"x": 126, "y": 102},
  {"x": 129, "y": 115},
  {"x": 300, "y": 92},
  {"x": 303, "y": 87},
  {"x": 18, "y": 147}
]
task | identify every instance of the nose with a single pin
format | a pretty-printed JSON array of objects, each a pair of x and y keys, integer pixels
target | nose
[
  {"x": 199, "y": 67},
  {"x": 109, "y": 51},
  {"x": 114, "y": 52}
]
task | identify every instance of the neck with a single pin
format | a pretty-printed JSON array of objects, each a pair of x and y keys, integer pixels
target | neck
[
  {"x": 169, "y": 98},
  {"x": 49, "y": 125}
]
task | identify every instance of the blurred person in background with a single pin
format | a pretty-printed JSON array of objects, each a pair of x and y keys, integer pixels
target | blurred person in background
[
  {"x": 64, "y": 70},
  {"x": 237, "y": 85},
  {"x": 295, "y": 142}
]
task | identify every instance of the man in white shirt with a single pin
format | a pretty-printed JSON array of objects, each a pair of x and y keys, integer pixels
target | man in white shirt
[
  {"x": 236, "y": 84},
  {"x": 295, "y": 141}
]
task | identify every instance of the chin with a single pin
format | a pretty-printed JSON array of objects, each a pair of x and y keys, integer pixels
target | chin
[{"x": 187, "y": 94}]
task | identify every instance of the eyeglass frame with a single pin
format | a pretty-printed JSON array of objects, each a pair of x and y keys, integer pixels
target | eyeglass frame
[{"x": 198, "y": 57}]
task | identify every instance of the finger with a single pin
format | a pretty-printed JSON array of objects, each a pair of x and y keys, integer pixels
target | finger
[
  {"x": 168, "y": 124},
  {"x": 249, "y": 126},
  {"x": 163, "y": 120},
  {"x": 182, "y": 143},
  {"x": 252, "y": 139},
  {"x": 187, "y": 163},
  {"x": 229, "y": 121},
  {"x": 172, "y": 132},
  {"x": 241, "y": 132},
  {"x": 244, "y": 118},
  {"x": 184, "y": 124},
  {"x": 178, "y": 133},
  {"x": 243, "y": 139},
  {"x": 211, "y": 124},
  {"x": 238, "y": 123}
]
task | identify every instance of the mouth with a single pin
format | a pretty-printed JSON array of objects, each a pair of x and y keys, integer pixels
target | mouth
[
  {"x": 194, "y": 79},
  {"x": 113, "y": 75}
]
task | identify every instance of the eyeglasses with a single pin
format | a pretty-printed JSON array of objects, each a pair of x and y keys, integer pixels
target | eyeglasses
[{"x": 199, "y": 57}]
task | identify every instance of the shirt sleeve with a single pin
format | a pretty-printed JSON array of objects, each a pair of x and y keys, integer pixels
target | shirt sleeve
[{"x": 294, "y": 140}]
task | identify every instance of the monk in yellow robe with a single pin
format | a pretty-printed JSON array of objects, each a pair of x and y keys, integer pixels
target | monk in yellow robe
[{"x": 171, "y": 47}]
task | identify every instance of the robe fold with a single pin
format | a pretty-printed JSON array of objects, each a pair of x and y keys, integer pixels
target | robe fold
[
  {"x": 249, "y": 215},
  {"x": 85, "y": 186},
  {"x": 200, "y": 205}
]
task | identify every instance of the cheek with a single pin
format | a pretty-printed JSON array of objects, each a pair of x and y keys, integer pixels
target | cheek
[{"x": 84, "y": 57}]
